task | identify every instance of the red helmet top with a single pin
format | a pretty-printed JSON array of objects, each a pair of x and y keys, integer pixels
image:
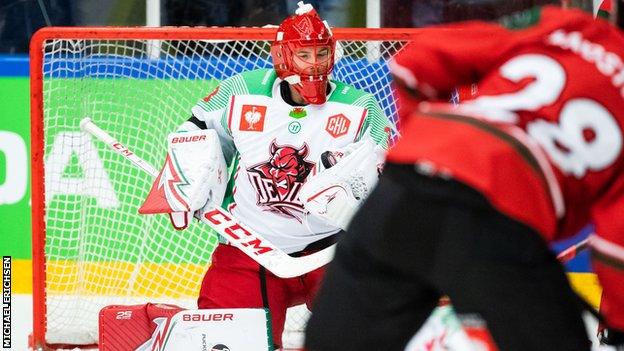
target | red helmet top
[{"x": 303, "y": 53}]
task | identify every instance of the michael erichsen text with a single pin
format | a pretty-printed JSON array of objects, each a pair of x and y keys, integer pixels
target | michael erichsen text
[{"x": 6, "y": 302}]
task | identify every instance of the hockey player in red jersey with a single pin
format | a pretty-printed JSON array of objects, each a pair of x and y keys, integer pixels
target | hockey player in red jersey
[{"x": 472, "y": 195}]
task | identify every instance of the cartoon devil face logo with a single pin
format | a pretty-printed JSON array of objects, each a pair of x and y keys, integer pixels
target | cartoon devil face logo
[{"x": 279, "y": 180}]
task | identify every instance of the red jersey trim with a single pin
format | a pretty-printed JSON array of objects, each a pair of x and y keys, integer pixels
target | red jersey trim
[
  {"x": 231, "y": 113},
  {"x": 357, "y": 132},
  {"x": 607, "y": 248}
]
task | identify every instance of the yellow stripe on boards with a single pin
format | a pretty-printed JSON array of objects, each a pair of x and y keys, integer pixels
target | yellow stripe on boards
[
  {"x": 174, "y": 280},
  {"x": 21, "y": 276},
  {"x": 113, "y": 278}
]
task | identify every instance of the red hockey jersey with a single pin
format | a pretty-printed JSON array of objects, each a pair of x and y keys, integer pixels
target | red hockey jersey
[{"x": 546, "y": 148}]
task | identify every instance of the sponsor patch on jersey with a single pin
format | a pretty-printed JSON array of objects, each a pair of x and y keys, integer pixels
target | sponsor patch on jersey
[
  {"x": 252, "y": 118},
  {"x": 294, "y": 127},
  {"x": 278, "y": 180},
  {"x": 337, "y": 125}
]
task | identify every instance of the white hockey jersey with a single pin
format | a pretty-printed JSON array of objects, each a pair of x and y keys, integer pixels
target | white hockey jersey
[{"x": 274, "y": 146}]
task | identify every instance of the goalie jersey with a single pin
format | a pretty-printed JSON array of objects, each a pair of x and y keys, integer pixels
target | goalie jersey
[{"x": 273, "y": 147}]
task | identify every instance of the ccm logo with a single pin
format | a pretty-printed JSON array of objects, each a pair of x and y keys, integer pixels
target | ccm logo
[
  {"x": 235, "y": 232},
  {"x": 122, "y": 149},
  {"x": 215, "y": 317},
  {"x": 187, "y": 139}
]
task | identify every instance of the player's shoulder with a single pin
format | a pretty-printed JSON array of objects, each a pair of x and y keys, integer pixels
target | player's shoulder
[
  {"x": 559, "y": 14},
  {"x": 258, "y": 81},
  {"x": 551, "y": 17},
  {"x": 559, "y": 24},
  {"x": 348, "y": 94}
]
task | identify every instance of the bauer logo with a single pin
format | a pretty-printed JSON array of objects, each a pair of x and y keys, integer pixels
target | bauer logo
[
  {"x": 211, "y": 317},
  {"x": 188, "y": 139},
  {"x": 220, "y": 347},
  {"x": 252, "y": 118},
  {"x": 337, "y": 125}
]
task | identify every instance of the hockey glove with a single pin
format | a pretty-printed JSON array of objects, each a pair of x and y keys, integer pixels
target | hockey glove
[{"x": 334, "y": 194}]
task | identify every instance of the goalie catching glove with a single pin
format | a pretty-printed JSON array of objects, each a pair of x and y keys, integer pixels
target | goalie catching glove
[
  {"x": 194, "y": 177},
  {"x": 345, "y": 180}
]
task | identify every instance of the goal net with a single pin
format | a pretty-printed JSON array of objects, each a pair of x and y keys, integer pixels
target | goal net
[{"x": 91, "y": 247}]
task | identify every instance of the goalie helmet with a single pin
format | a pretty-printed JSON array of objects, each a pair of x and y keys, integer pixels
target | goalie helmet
[{"x": 303, "y": 53}]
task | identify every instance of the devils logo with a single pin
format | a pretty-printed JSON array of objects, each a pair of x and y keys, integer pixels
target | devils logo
[{"x": 279, "y": 180}]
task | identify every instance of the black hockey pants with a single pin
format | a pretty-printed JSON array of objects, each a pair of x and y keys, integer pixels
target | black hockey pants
[{"x": 417, "y": 238}]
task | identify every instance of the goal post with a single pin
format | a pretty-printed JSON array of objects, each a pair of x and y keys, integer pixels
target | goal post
[{"x": 90, "y": 246}]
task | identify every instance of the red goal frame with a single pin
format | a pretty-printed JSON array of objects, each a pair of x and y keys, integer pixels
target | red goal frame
[{"x": 37, "y": 339}]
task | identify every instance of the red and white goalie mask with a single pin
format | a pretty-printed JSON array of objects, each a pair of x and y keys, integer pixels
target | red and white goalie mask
[{"x": 303, "y": 54}]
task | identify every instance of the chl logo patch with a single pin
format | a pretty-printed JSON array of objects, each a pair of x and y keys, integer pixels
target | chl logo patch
[
  {"x": 337, "y": 125},
  {"x": 252, "y": 118}
]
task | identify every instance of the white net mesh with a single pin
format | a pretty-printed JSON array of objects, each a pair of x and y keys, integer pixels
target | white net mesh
[{"x": 98, "y": 250}]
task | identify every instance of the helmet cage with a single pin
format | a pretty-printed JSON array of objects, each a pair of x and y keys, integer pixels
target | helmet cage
[
  {"x": 312, "y": 60},
  {"x": 308, "y": 74}
]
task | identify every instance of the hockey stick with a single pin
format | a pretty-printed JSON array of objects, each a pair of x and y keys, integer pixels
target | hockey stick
[
  {"x": 571, "y": 252},
  {"x": 226, "y": 224}
]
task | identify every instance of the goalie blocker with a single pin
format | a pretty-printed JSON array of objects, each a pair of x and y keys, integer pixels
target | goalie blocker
[{"x": 194, "y": 177}]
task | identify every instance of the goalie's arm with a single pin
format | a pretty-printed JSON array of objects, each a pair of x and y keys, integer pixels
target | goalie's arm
[
  {"x": 376, "y": 124},
  {"x": 209, "y": 122},
  {"x": 210, "y": 113}
]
